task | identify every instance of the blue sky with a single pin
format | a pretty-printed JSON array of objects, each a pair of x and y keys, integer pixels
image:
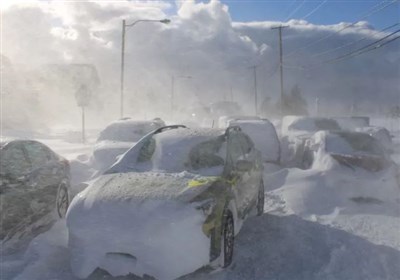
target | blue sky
[{"x": 325, "y": 12}]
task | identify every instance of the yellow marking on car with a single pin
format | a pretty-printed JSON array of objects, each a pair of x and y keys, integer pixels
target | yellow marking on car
[
  {"x": 208, "y": 180},
  {"x": 202, "y": 181}
]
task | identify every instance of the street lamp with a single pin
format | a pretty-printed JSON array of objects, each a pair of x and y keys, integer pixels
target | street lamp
[
  {"x": 124, "y": 28},
  {"x": 173, "y": 89}
]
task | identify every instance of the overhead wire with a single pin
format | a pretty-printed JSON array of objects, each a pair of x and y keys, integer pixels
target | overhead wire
[
  {"x": 365, "y": 48},
  {"x": 353, "y": 42},
  {"x": 372, "y": 11},
  {"x": 295, "y": 10},
  {"x": 315, "y": 9}
]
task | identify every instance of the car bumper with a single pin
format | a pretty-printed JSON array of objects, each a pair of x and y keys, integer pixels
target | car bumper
[{"x": 164, "y": 241}]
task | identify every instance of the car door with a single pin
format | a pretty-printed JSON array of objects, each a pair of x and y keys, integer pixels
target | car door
[
  {"x": 15, "y": 190},
  {"x": 252, "y": 177},
  {"x": 240, "y": 180},
  {"x": 44, "y": 175}
]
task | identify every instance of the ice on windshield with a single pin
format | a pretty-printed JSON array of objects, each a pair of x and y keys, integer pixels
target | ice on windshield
[
  {"x": 353, "y": 144},
  {"x": 313, "y": 125},
  {"x": 126, "y": 132},
  {"x": 174, "y": 153}
]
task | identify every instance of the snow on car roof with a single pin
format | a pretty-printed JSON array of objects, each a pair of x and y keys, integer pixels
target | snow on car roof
[{"x": 304, "y": 123}]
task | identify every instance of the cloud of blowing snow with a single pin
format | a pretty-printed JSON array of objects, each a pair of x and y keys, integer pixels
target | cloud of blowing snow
[{"x": 201, "y": 41}]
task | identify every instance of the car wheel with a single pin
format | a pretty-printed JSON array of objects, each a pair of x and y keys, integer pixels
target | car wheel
[
  {"x": 260, "y": 199},
  {"x": 227, "y": 239},
  {"x": 62, "y": 200}
]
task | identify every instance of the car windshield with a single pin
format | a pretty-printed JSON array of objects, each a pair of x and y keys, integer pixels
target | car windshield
[
  {"x": 314, "y": 125},
  {"x": 353, "y": 144},
  {"x": 126, "y": 132},
  {"x": 164, "y": 152}
]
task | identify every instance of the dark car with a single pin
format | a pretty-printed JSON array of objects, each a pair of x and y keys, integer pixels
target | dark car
[
  {"x": 34, "y": 181},
  {"x": 172, "y": 204}
]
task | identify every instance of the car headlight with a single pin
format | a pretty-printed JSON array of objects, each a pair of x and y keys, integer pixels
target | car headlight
[{"x": 207, "y": 206}]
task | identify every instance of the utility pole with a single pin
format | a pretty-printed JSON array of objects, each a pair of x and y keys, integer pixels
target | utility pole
[
  {"x": 83, "y": 125},
  {"x": 122, "y": 69},
  {"x": 172, "y": 95},
  {"x": 124, "y": 28},
  {"x": 281, "y": 62},
  {"x": 255, "y": 89}
]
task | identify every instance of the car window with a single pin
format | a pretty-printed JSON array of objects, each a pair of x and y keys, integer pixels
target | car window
[
  {"x": 38, "y": 154},
  {"x": 207, "y": 154},
  {"x": 14, "y": 162},
  {"x": 237, "y": 147},
  {"x": 147, "y": 150}
]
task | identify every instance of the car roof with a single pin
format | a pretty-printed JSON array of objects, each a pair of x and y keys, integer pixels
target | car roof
[{"x": 180, "y": 132}]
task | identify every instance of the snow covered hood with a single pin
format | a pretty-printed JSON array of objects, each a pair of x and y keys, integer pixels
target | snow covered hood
[
  {"x": 137, "y": 187},
  {"x": 138, "y": 223}
]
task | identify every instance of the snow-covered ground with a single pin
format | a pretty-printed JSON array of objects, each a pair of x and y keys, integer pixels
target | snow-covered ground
[{"x": 310, "y": 230}]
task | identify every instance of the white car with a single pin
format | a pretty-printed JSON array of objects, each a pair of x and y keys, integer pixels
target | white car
[
  {"x": 295, "y": 130},
  {"x": 118, "y": 137},
  {"x": 264, "y": 136},
  {"x": 170, "y": 205}
]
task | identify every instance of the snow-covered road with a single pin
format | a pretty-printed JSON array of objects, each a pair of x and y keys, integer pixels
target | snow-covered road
[{"x": 306, "y": 233}]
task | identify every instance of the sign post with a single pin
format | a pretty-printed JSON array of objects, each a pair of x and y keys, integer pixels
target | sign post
[{"x": 82, "y": 97}]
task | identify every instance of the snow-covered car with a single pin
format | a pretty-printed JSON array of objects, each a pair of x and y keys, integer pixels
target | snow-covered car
[
  {"x": 350, "y": 149},
  {"x": 295, "y": 130},
  {"x": 118, "y": 137},
  {"x": 351, "y": 123},
  {"x": 172, "y": 204},
  {"x": 264, "y": 136},
  {"x": 379, "y": 133},
  {"x": 223, "y": 122},
  {"x": 34, "y": 181}
]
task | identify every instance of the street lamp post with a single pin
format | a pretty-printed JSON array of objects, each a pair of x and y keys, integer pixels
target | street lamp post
[
  {"x": 124, "y": 28},
  {"x": 173, "y": 89}
]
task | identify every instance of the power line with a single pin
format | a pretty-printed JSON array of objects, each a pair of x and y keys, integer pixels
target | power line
[
  {"x": 362, "y": 50},
  {"x": 365, "y": 48},
  {"x": 295, "y": 10},
  {"x": 315, "y": 9},
  {"x": 372, "y": 11},
  {"x": 352, "y": 43}
]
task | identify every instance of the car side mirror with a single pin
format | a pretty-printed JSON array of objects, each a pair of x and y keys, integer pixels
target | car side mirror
[{"x": 243, "y": 165}]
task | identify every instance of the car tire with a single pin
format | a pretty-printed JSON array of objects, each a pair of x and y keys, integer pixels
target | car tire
[
  {"x": 62, "y": 200},
  {"x": 260, "y": 199},
  {"x": 227, "y": 239}
]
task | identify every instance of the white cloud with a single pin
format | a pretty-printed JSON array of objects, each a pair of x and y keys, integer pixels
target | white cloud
[{"x": 201, "y": 41}]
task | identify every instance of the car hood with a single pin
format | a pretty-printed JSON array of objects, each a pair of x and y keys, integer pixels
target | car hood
[
  {"x": 138, "y": 187},
  {"x": 368, "y": 162}
]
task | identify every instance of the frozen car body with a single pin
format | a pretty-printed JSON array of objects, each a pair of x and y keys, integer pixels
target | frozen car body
[
  {"x": 295, "y": 130},
  {"x": 224, "y": 121},
  {"x": 120, "y": 136},
  {"x": 264, "y": 136},
  {"x": 351, "y": 149},
  {"x": 379, "y": 133},
  {"x": 157, "y": 213},
  {"x": 351, "y": 123},
  {"x": 34, "y": 181}
]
